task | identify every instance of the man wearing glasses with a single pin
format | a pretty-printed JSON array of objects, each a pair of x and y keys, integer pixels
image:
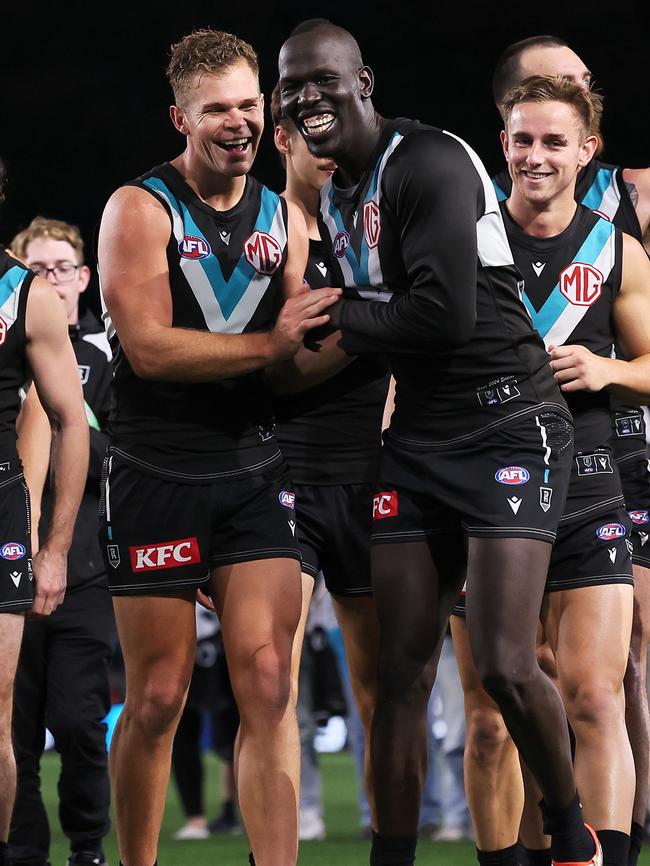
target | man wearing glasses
[{"x": 62, "y": 675}]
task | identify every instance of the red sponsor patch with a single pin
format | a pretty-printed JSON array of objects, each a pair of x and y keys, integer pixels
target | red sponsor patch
[
  {"x": 384, "y": 505},
  {"x": 263, "y": 252},
  {"x": 371, "y": 223},
  {"x": 167, "y": 554},
  {"x": 581, "y": 284},
  {"x": 3, "y": 330}
]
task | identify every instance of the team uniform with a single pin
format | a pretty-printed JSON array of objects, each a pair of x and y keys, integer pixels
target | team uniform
[
  {"x": 194, "y": 477},
  {"x": 601, "y": 188},
  {"x": 330, "y": 436},
  {"x": 16, "y": 581},
  {"x": 571, "y": 282},
  {"x": 62, "y": 677},
  {"x": 463, "y": 414}
]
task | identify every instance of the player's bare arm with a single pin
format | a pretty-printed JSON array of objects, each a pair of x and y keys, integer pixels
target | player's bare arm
[
  {"x": 56, "y": 378},
  {"x": 576, "y": 368},
  {"x": 34, "y": 443},
  {"x": 637, "y": 181},
  {"x": 133, "y": 239}
]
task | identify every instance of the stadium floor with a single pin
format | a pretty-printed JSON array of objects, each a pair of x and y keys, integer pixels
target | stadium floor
[{"x": 343, "y": 846}]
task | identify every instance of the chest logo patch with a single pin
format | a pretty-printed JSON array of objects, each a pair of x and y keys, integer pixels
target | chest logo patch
[
  {"x": 3, "y": 330},
  {"x": 581, "y": 284},
  {"x": 263, "y": 252},
  {"x": 341, "y": 243},
  {"x": 371, "y": 223},
  {"x": 192, "y": 247}
]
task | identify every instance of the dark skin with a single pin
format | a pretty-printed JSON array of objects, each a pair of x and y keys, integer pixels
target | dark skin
[{"x": 322, "y": 75}]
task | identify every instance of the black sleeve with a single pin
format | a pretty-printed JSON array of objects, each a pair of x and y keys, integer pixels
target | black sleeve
[{"x": 436, "y": 197}]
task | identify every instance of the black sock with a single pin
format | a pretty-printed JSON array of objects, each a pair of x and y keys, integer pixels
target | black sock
[
  {"x": 251, "y": 859},
  {"x": 228, "y": 810},
  {"x": 616, "y": 847},
  {"x": 538, "y": 856},
  {"x": 4, "y": 860},
  {"x": 571, "y": 842},
  {"x": 501, "y": 857},
  {"x": 393, "y": 850},
  {"x": 637, "y": 836}
]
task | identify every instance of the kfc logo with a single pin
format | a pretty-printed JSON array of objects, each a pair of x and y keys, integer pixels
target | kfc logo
[
  {"x": 168, "y": 554},
  {"x": 371, "y": 223},
  {"x": 384, "y": 505},
  {"x": 581, "y": 284},
  {"x": 194, "y": 248},
  {"x": 263, "y": 252}
]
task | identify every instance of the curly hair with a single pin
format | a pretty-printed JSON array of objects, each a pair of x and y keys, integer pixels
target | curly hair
[{"x": 206, "y": 51}]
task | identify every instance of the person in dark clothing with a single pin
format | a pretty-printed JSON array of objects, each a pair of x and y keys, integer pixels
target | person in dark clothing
[
  {"x": 62, "y": 676},
  {"x": 417, "y": 242}
]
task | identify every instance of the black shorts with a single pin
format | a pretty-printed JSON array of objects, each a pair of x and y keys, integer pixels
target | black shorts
[
  {"x": 593, "y": 544},
  {"x": 510, "y": 484},
  {"x": 634, "y": 466},
  {"x": 334, "y": 524},
  {"x": 161, "y": 534},
  {"x": 16, "y": 579}
]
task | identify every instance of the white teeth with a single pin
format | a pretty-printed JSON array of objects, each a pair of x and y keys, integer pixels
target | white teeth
[
  {"x": 235, "y": 142},
  {"x": 318, "y": 122}
]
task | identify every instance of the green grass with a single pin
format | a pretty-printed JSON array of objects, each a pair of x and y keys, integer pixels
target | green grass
[{"x": 343, "y": 846}]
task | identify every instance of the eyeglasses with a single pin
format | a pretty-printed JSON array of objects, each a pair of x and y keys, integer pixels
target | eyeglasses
[{"x": 64, "y": 272}]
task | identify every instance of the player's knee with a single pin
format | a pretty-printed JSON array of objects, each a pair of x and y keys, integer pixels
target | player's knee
[
  {"x": 269, "y": 675},
  {"x": 507, "y": 683},
  {"x": 487, "y": 735},
  {"x": 157, "y": 712},
  {"x": 404, "y": 679},
  {"x": 594, "y": 702}
]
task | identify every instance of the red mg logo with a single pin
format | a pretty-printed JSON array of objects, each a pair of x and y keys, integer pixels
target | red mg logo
[
  {"x": 3, "y": 330},
  {"x": 581, "y": 284},
  {"x": 263, "y": 252},
  {"x": 371, "y": 223}
]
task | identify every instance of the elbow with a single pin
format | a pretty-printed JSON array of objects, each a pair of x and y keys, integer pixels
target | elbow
[{"x": 145, "y": 365}]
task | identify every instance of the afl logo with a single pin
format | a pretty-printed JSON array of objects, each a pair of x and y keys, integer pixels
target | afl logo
[
  {"x": 341, "y": 243},
  {"x": 371, "y": 223},
  {"x": 12, "y": 550},
  {"x": 512, "y": 475},
  {"x": 581, "y": 284},
  {"x": 3, "y": 330},
  {"x": 194, "y": 248},
  {"x": 610, "y": 531},
  {"x": 263, "y": 252},
  {"x": 287, "y": 498},
  {"x": 639, "y": 516}
]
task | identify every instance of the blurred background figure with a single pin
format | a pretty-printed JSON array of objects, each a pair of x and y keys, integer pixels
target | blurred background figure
[
  {"x": 62, "y": 676},
  {"x": 209, "y": 720}
]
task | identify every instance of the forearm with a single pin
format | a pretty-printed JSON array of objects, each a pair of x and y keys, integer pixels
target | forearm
[
  {"x": 412, "y": 324},
  {"x": 184, "y": 355},
  {"x": 630, "y": 380},
  {"x": 68, "y": 470}
]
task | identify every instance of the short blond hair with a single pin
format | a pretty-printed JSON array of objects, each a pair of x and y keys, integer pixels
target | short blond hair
[
  {"x": 554, "y": 88},
  {"x": 206, "y": 51},
  {"x": 56, "y": 230}
]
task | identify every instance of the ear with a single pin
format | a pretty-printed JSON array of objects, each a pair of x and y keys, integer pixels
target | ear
[
  {"x": 178, "y": 119},
  {"x": 366, "y": 82},
  {"x": 588, "y": 149},
  {"x": 503, "y": 135},
  {"x": 282, "y": 139},
  {"x": 84, "y": 276}
]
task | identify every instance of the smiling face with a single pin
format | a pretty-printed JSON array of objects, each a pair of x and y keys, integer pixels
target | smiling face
[
  {"x": 546, "y": 145},
  {"x": 222, "y": 116},
  {"x": 309, "y": 170},
  {"x": 325, "y": 90}
]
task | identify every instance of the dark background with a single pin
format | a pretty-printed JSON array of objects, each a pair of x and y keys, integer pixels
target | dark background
[{"x": 84, "y": 98}]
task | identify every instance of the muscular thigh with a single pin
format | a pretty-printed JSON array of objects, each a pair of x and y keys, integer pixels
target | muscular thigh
[
  {"x": 11, "y": 632},
  {"x": 588, "y": 630}
]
